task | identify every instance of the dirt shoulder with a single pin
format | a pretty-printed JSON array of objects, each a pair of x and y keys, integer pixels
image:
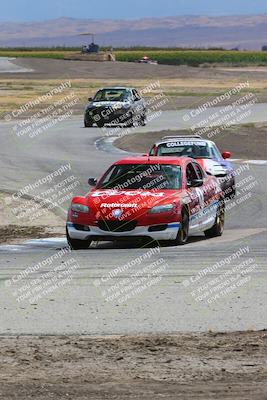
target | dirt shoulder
[
  {"x": 245, "y": 141},
  {"x": 16, "y": 224},
  {"x": 186, "y": 366},
  {"x": 184, "y": 87},
  {"x": 51, "y": 68},
  {"x": 54, "y": 69}
]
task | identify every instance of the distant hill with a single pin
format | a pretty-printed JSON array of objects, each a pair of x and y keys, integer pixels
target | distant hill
[{"x": 248, "y": 32}]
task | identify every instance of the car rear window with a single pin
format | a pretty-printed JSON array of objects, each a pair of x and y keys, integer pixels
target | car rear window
[{"x": 184, "y": 149}]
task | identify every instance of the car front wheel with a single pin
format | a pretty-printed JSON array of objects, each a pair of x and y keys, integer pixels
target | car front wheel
[
  {"x": 143, "y": 120},
  {"x": 87, "y": 124},
  {"x": 76, "y": 244},
  {"x": 183, "y": 233},
  {"x": 130, "y": 121}
]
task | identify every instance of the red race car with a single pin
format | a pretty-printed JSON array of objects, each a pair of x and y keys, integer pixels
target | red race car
[{"x": 161, "y": 198}]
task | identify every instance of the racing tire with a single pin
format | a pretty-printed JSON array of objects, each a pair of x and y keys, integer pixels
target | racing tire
[
  {"x": 143, "y": 120},
  {"x": 183, "y": 233},
  {"x": 232, "y": 194},
  {"x": 88, "y": 124},
  {"x": 100, "y": 124},
  {"x": 218, "y": 227},
  {"x": 76, "y": 244},
  {"x": 130, "y": 122}
]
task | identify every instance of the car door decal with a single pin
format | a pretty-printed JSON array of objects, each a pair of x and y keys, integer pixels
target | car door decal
[{"x": 200, "y": 196}]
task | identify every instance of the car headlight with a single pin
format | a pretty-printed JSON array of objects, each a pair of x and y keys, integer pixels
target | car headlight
[
  {"x": 80, "y": 208},
  {"x": 161, "y": 209}
]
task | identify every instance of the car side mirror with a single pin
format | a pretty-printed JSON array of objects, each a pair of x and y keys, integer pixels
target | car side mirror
[
  {"x": 92, "y": 181},
  {"x": 226, "y": 154},
  {"x": 196, "y": 183},
  {"x": 145, "y": 155},
  {"x": 90, "y": 98}
]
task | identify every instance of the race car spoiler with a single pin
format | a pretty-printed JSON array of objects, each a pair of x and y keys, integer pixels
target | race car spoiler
[{"x": 183, "y": 137}]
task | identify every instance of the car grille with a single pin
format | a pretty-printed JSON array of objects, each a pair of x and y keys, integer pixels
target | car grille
[
  {"x": 99, "y": 110},
  {"x": 117, "y": 226},
  {"x": 102, "y": 111},
  {"x": 94, "y": 111},
  {"x": 81, "y": 227}
]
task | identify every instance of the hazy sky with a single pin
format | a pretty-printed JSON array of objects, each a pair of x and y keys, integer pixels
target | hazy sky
[{"x": 30, "y": 10}]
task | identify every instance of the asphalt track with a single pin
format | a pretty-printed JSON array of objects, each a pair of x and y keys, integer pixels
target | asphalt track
[
  {"x": 8, "y": 66},
  {"x": 168, "y": 306}
]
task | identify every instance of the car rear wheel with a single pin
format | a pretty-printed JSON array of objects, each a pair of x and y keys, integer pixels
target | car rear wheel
[
  {"x": 183, "y": 233},
  {"x": 218, "y": 227},
  {"x": 143, "y": 121},
  {"x": 76, "y": 244}
]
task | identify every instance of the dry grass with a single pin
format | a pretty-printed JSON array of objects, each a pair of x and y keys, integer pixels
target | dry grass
[{"x": 14, "y": 93}]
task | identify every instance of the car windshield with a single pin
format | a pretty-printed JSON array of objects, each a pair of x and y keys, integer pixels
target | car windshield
[
  {"x": 142, "y": 176},
  {"x": 180, "y": 148},
  {"x": 112, "y": 95},
  {"x": 215, "y": 153}
]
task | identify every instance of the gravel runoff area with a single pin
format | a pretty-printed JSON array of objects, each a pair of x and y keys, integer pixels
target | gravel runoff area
[
  {"x": 16, "y": 230},
  {"x": 49, "y": 69},
  {"x": 184, "y": 86},
  {"x": 182, "y": 366}
]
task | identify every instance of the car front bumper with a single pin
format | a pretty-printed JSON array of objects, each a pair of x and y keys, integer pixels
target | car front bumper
[
  {"x": 95, "y": 232},
  {"x": 96, "y": 115}
]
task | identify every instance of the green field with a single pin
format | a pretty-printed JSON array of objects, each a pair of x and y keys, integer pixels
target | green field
[
  {"x": 198, "y": 57},
  {"x": 164, "y": 56},
  {"x": 56, "y": 54}
]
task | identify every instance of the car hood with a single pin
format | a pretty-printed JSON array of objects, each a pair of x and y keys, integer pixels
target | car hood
[
  {"x": 130, "y": 199},
  {"x": 213, "y": 167},
  {"x": 108, "y": 104}
]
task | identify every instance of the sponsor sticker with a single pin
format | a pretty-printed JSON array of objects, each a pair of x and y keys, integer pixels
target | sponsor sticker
[
  {"x": 111, "y": 193},
  {"x": 185, "y": 143},
  {"x": 115, "y": 205}
]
